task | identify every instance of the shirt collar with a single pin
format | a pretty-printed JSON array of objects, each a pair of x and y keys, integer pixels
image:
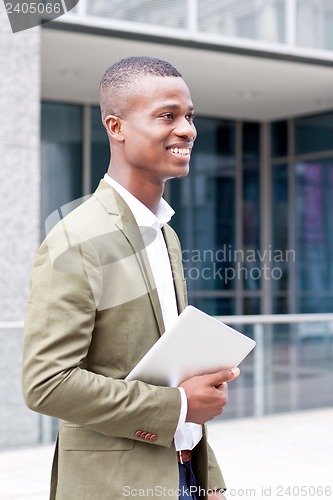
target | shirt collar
[{"x": 142, "y": 214}]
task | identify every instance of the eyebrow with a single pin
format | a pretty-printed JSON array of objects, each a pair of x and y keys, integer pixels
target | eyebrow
[{"x": 172, "y": 106}]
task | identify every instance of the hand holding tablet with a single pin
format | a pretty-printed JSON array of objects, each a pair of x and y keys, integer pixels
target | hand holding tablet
[{"x": 195, "y": 344}]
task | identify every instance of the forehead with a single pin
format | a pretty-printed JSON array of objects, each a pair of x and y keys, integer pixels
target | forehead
[{"x": 156, "y": 91}]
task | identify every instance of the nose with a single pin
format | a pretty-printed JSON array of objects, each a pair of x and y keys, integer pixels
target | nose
[{"x": 186, "y": 129}]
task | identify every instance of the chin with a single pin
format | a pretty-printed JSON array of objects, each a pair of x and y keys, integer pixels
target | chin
[{"x": 183, "y": 172}]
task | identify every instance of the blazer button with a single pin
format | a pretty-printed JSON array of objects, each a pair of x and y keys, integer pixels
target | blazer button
[
  {"x": 153, "y": 437},
  {"x": 143, "y": 434},
  {"x": 138, "y": 434},
  {"x": 148, "y": 436}
]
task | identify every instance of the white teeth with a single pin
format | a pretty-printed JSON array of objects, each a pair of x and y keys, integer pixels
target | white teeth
[{"x": 183, "y": 151}]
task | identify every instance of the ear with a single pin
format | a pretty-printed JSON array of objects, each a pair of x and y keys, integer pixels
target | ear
[{"x": 113, "y": 127}]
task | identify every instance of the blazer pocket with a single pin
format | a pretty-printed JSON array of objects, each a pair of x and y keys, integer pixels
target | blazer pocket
[{"x": 77, "y": 438}]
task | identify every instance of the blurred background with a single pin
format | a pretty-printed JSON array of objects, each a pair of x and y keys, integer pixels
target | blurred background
[{"x": 255, "y": 214}]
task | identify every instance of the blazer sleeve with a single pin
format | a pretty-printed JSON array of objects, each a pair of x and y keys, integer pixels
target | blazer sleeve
[{"x": 59, "y": 325}]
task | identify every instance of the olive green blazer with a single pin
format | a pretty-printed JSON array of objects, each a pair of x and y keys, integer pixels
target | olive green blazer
[{"x": 93, "y": 312}]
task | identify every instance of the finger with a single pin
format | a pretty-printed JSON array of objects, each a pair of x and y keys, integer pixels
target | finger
[
  {"x": 222, "y": 387},
  {"x": 225, "y": 375}
]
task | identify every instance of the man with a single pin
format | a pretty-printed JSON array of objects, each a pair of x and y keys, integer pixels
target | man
[{"x": 106, "y": 283}]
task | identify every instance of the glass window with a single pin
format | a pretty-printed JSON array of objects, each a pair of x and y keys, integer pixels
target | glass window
[
  {"x": 314, "y": 133},
  {"x": 281, "y": 255},
  {"x": 253, "y": 19},
  {"x": 314, "y": 206},
  {"x": 222, "y": 306},
  {"x": 206, "y": 217},
  {"x": 247, "y": 25},
  {"x": 251, "y": 305},
  {"x": 100, "y": 151},
  {"x": 298, "y": 352},
  {"x": 205, "y": 207},
  {"x": 279, "y": 138},
  {"x": 314, "y": 24},
  {"x": 251, "y": 142},
  {"x": 251, "y": 265},
  {"x": 280, "y": 304},
  {"x": 171, "y": 14},
  {"x": 61, "y": 156},
  {"x": 328, "y": 24},
  {"x": 250, "y": 269}
]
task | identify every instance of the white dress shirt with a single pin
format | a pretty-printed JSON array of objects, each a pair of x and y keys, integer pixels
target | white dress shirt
[{"x": 187, "y": 434}]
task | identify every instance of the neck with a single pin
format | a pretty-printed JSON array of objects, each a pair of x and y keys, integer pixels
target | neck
[{"x": 145, "y": 190}]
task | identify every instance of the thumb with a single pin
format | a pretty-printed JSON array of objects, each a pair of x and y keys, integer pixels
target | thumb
[{"x": 225, "y": 375}]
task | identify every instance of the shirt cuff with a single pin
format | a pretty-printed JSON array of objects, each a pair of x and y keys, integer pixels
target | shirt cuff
[{"x": 183, "y": 408}]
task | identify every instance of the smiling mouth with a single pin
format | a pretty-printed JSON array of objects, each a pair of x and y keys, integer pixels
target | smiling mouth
[{"x": 180, "y": 151}]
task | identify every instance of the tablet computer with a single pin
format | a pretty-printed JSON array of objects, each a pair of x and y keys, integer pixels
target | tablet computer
[{"x": 195, "y": 344}]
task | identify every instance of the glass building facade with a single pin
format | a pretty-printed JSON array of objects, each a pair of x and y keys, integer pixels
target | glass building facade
[
  {"x": 254, "y": 215},
  {"x": 248, "y": 20}
]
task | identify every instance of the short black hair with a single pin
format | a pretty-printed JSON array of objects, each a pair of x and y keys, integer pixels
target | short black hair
[{"x": 120, "y": 77}]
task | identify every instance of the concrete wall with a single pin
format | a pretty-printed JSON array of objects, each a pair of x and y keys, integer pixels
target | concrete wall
[
  {"x": 19, "y": 164},
  {"x": 19, "y": 215}
]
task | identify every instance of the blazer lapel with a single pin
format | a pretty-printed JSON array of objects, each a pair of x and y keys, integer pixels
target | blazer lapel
[{"x": 126, "y": 223}]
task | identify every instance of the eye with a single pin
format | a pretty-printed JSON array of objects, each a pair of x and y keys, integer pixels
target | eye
[
  {"x": 190, "y": 117},
  {"x": 168, "y": 116}
]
